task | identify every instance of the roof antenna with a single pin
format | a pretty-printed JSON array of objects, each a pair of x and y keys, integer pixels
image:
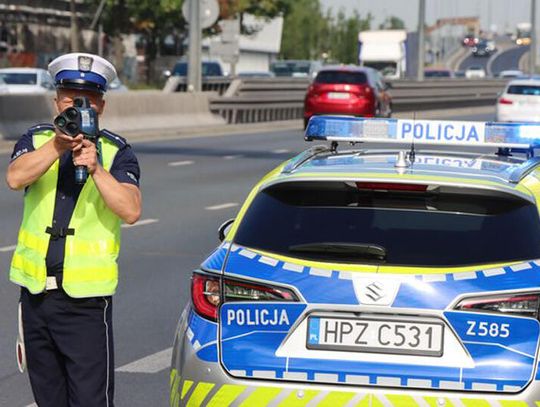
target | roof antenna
[{"x": 412, "y": 153}]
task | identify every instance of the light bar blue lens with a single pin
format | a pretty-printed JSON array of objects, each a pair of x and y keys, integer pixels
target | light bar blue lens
[{"x": 354, "y": 129}]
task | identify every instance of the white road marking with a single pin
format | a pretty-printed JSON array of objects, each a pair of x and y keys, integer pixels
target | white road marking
[
  {"x": 150, "y": 364},
  {"x": 180, "y": 163},
  {"x": 231, "y": 157},
  {"x": 32, "y": 405},
  {"x": 221, "y": 206},
  {"x": 8, "y": 248},
  {"x": 141, "y": 223},
  {"x": 281, "y": 151}
]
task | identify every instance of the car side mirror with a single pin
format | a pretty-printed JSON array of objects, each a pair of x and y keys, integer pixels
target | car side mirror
[{"x": 224, "y": 229}]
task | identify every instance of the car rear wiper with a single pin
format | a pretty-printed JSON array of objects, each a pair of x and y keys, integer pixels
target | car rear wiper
[{"x": 367, "y": 251}]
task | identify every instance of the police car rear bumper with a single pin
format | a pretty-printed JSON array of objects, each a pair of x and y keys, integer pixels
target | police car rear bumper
[{"x": 197, "y": 382}]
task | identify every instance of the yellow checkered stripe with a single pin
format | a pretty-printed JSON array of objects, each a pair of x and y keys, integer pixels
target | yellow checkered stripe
[{"x": 193, "y": 394}]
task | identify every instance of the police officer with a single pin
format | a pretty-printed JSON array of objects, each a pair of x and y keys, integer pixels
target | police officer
[{"x": 69, "y": 240}]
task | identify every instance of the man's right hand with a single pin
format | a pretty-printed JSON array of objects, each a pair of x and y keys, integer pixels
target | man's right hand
[{"x": 63, "y": 142}]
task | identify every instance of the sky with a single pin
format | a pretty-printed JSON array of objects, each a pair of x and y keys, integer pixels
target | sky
[{"x": 501, "y": 13}]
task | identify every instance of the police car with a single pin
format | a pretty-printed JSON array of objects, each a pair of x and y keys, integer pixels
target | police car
[{"x": 404, "y": 275}]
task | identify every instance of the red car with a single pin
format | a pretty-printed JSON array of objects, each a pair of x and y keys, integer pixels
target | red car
[
  {"x": 348, "y": 90},
  {"x": 470, "y": 40}
]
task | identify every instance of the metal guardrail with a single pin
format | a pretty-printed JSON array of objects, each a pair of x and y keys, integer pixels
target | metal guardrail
[
  {"x": 269, "y": 99},
  {"x": 282, "y": 98},
  {"x": 209, "y": 84}
]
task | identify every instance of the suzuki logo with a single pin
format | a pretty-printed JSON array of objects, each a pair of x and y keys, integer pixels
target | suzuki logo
[
  {"x": 375, "y": 291},
  {"x": 382, "y": 291}
]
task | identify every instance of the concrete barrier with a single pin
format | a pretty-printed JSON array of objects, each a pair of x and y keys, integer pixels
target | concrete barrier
[
  {"x": 134, "y": 111},
  {"x": 19, "y": 112},
  {"x": 154, "y": 110}
]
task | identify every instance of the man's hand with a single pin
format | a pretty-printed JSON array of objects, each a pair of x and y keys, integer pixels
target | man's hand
[
  {"x": 63, "y": 142},
  {"x": 86, "y": 155}
]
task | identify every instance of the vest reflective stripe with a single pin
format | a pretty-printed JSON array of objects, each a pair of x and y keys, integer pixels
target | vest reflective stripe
[
  {"x": 90, "y": 267},
  {"x": 99, "y": 247},
  {"x": 34, "y": 242},
  {"x": 33, "y": 268}
]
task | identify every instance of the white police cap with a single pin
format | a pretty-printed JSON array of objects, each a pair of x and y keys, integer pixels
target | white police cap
[{"x": 82, "y": 71}]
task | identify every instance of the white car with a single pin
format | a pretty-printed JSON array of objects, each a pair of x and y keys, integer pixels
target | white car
[
  {"x": 520, "y": 101},
  {"x": 27, "y": 80},
  {"x": 475, "y": 72},
  {"x": 510, "y": 73}
]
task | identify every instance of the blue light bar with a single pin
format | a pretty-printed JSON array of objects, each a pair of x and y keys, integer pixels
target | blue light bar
[{"x": 439, "y": 132}]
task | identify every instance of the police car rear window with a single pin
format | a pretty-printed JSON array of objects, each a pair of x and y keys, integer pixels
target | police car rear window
[
  {"x": 338, "y": 77},
  {"x": 414, "y": 229}
]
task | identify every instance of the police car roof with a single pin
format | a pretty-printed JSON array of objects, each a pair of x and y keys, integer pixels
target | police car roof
[
  {"x": 476, "y": 170},
  {"x": 426, "y": 162}
]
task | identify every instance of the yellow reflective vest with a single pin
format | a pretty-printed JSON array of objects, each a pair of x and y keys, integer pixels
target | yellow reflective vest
[{"x": 90, "y": 259}]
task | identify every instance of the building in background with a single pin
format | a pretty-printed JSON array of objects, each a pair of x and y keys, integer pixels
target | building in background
[
  {"x": 256, "y": 50},
  {"x": 32, "y": 32}
]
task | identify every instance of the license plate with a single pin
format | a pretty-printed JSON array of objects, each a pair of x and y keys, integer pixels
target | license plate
[
  {"x": 376, "y": 335},
  {"x": 338, "y": 95}
]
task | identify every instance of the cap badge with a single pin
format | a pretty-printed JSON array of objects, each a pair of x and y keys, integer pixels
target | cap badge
[{"x": 85, "y": 63}]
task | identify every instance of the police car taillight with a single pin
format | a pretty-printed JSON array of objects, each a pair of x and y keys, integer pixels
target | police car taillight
[
  {"x": 510, "y": 304},
  {"x": 206, "y": 290},
  {"x": 205, "y": 295}
]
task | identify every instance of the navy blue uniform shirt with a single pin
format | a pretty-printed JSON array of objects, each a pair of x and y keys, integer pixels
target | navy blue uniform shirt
[{"x": 125, "y": 169}]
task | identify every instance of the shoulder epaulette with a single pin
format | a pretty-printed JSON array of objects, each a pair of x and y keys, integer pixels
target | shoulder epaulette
[
  {"x": 40, "y": 127},
  {"x": 120, "y": 141}
]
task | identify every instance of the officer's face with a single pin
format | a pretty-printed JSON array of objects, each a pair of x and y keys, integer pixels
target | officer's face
[{"x": 64, "y": 99}]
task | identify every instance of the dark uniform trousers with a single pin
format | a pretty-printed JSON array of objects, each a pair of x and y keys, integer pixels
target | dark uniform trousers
[{"x": 69, "y": 349}]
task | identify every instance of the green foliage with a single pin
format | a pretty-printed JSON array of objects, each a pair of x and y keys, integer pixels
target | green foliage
[
  {"x": 120, "y": 16},
  {"x": 308, "y": 34},
  {"x": 303, "y": 29},
  {"x": 262, "y": 8},
  {"x": 344, "y": 36},
  {"x": 392, "y": 23}
]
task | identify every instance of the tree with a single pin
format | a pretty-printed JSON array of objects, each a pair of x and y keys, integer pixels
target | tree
[
  {"x": 267, "y": 9},
  {"x": 308, "y": 34},
  {"x": 156, "y": 20},
  {"x": 392, "y": 23},
  {"x": 303, "y": 31},
  {"x": 343, "y": 36},
  {"x": 153, "y": 20}
]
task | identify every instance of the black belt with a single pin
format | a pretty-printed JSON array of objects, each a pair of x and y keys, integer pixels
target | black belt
[{"x": 56, "y": 232}]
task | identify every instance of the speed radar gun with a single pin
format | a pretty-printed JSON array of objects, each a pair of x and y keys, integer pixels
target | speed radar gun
[{"x": 81, "y": 118}]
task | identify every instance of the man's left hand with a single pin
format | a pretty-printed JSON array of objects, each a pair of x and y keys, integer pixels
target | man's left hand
[{"x": 86, "y": 156}]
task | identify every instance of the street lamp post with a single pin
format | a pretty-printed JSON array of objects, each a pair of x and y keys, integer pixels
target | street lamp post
[
  {"x": 421, "y": 46},
  {"x": 95, "y": 21},
  {"x": 532, "y": 52},
  {"x": 74, "y": 35},
  {"x": 194, "y": 50}
]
